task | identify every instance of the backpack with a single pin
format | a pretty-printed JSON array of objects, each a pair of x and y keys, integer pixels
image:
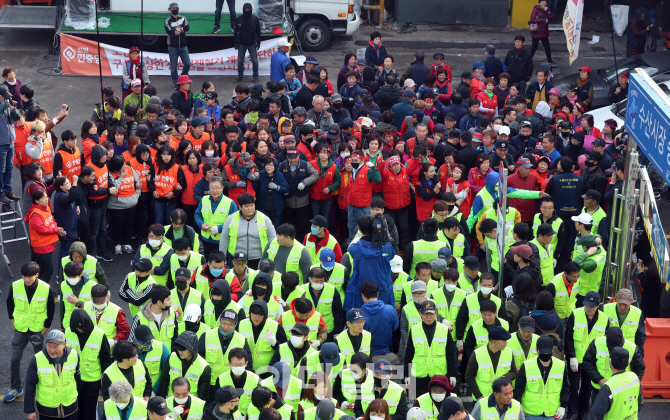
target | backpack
[
  {"x": 524, "y": 310},
  {"x": 379, "y": 230},
  {"x": 557, "y": 350}
]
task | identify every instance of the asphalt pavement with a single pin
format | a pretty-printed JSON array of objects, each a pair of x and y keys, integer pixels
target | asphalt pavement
[{"x": 27, "y": 52}]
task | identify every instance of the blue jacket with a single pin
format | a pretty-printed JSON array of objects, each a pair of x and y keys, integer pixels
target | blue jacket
[
  {"x": 469, "y": 121},
  {"x": 214, "y": 113},
  {"x": 66, "y": 218},
  {"x": 371, "y": 262},
  {"x": 278, "y": 61},
  {"x": 522, "y": 147},
  {"x": 277, "y": 195},
  {"x": 456, "y": 109},
  {"x": 493, "y": 67},
  {"x": 293, "y": 181},
  {"x": 567, "y": 189},
  {"x": 401, "y": 110},
  {"x": 7, "y": 118},
  {"x": 292, "y": 87},
  {"x": 381, "y": 320}
]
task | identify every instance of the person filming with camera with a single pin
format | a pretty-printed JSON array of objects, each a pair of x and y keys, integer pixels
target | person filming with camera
[{"x": 9, "y": 114}]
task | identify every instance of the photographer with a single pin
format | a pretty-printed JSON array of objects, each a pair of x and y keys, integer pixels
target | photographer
[{"x": 8, "y": 116}]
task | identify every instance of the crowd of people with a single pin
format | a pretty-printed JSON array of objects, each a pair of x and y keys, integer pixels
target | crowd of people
[{"x": 325, "y": 249}]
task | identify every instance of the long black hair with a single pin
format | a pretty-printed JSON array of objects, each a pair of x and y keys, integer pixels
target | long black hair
[
  {"x": 162, "y": 166},
  {"x": 183, "y": 145}
]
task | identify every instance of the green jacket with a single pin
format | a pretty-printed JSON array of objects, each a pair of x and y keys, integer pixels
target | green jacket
[
  {"x": 588, "y": 265},
  {"x": 135, "y": 100}
]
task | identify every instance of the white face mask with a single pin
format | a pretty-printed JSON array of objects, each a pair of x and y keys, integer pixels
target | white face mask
[
  {"x": 345, "y": 154},
  {"x": 356, "y": 376},
  {"x": 100, "y": 307},
  {"x": 486, "y": 290},
  {"x": 450, "y": 287},
  {"x": 296, "y": 341},
  {"x": 183, "y": 257},
  {"x": 154, "y": 242},
  {"x": 328, "y": 268},
  {"x": 496, "y": 127},
  {"x": 317, "y": 286},
  {"x": 122, "y": 405},
  {"x": 419, "y": 300},
  {"x": 209, "y": 153},
  {"x": 72, "y": 280},
  {"x": 238, "y": 370},
  {"x": 438, "y": 397},
  {"x": 376, "y": 418},
  {"x": 184, "y": 400},
  {"x": 319, "y": 397}
]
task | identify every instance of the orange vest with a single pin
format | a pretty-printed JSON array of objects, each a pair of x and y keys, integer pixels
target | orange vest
[
  {"x": 127, "y": 187},
  {"x": 46, "y": 159},
  {"x": 166, "y": 181},
  {"x": 316, "y": 189},
  {"x": 197, "y": 143},
  {"x": 191, "y": 180},
  {"x": 88, "y": 146},
  {"x": 306, "y": 150},
  {"x": 22, "y": 134},
  {"x": 174, "y": 142},
  {"x": 71, "y": 163},
  {"x": 127, "y": 156},
  {"x": 38, "y": 239},
  {"x": 143, "y": 169},
  {"x": 101, "y": 179},
  {"x": 345, "y": 187},
  {"x": 360, "y": 194},
  {"x": 238, "y": 191}
]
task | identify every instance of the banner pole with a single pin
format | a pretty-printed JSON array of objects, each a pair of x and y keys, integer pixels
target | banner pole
[
  {"x": 142, "y": 69},
  {"x": 102, "y": 95}
]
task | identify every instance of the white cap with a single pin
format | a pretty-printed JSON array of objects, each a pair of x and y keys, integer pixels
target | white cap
[
  {"x": 192, "y": 312},
  {"x": 396, "y": 264},
  {"x": 583, "y": 218},
  {"x": 416, "y": 413},
  {"x": 504, "y": 130},
  {"x": 285, "y": 44}
]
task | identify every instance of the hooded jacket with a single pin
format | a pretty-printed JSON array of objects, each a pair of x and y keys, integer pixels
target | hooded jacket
[
  {"x": 439, "y": 380},
  {"x": 145, "y": 311},
  {"x": 80, "y": 319},
  {"x": 262, "y": 304},
  {"x": 381, "y": 321},
  {"x": 374, "y": 266},
  {"x": 76, "y": 290},
  {"x": 247, "y": 30},
  {"x": 80, "y": 248},
  {"x": 386, "y": 97},
  {"x": 97, "y": 152},
  {"x": 224, "y": 288},
  {"x": 189, "y": 341}
]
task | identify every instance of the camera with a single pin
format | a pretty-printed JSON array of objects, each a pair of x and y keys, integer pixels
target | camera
[
  {"x": 65, "y": 108},
  {"x": 622, "y": 142}
]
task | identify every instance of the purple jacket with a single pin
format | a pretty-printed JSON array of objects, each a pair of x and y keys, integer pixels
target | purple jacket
[{"x": 537, "y": 16}]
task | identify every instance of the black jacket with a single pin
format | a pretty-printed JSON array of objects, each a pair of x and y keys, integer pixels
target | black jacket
[
  {"x": 30, "y": 405},
  {"x": 304, "y": 98},
  {"x": 247, "y": 30},
  {"x": 189, "y": 341},
  {"x": 184, "y": 103},
  {"x": 519, "y": 66},
  {"x": 171, "y": 24},
  {"x": 469, "y": 157},
  {"x": 614, "y": 97},
  {"x": 386, "y": 97},
  {"x": 637, "y": 365}
]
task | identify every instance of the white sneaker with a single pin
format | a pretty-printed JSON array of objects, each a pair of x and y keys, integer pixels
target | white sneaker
[
  {"x": 129, "y": 249},
  {"x": 117, "y": 250}
]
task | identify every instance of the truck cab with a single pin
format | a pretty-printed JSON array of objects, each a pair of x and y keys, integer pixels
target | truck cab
[{"x": 316, "y": 21}]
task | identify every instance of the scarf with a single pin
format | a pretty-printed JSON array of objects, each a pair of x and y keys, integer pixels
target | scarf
[
  {"x": 481, "y": 77},
  {"x": 518, "y": 50},
  {"x": 490, "y": 94},
  {"x": 583, "y": 81},
  {"x": 375, "y": 48}
]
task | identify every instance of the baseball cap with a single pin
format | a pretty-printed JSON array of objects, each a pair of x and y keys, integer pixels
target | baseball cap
[
  {"x": 448, "y": 409},
  {"x": 525, "y": 162},
  {"x": 471, "y": 262},
  {"x": 625, "y": 74},
  {"x": 319, "y": 221},
  {"x": 440, "y": 128},
  {"x": 419, "y": 286},
  {"x": 450, "y": 116},
  {"x": 614, "y": 337},
  {"x": 428, "y": 307},
  {"x": 142, "y": 131},
  {"x": 545, "y": 344},
  {"x": 333, "y": 131},
  {"x": 526, "y": 323},
  {"x": 393, "y": 160},
  {"x": 586, "y": 69},
  {"x": 592, "y": 299},
  {"x": 366, "y": 122},
  {"x": 229, "y": 315},
  {"x": 478, "y": 65},
  {"x": 526, "y": 124},
  {"x": 383, "y": 366},
  {"x": 502, "y": 145},
  {"x": 285, "y": 43},
  {"x": 166, "y": 103},
  {"x": 396, "y": 264},
  {"x": 477, "y": 137},
  {"x": 409, "y": 83},
  {"x": 325, "y": 409},
  {"x": 594, "y": 156},
  {"x": 300, "y": 329},
  {"x": 498, "y": 333},
  {"x": 135, "y": 82},
  {"x": 362, "y": 61},
  {"x": 158, "y": 406},
  {"x": 346, "y": 122},
  {"x": 143, "y": 265},
  {"x": 625, "y": 296},
  {"x": 54, "y": 336},
  {"x": 593, "y": 195},
  {"x": 336, "y": 97},
  {"x": 438, "y": 55},
  {"x": 503, "y": 130},
  {"x": 327, "y": 258},
  {"x": 244, "y": 160},
  {"x": 225, "y": 394},
  {"x": 143, "y": 334},
  {"x": 573, "y": 87},
  {"x": 289, "y": 137},
  {"x": 182, "y": 273},
  {"x": 439, "y": 265},
  {"x": 599, "y": 143},
  {"x": 330, "y": 353},
  {"x": 524, "y": 251},
  {"x": 619, "y": 358},
  {"x": 587, "y": 240},
  {"x": 240, "y": 256},
  {"x": 192, "y": 312},
  {"x": 408, "y": 93},
  {"x": 355, "y": 314},
  {"x": 583, "y": 218},
  {"x": 419, "y": 114},
  {"x": 545, "y": 229},
  {"x": 444, "y": 253},
  {"x": 173, "y": 5},
  {"x": 197, "y": 121},
  {"x": 292, "y": 151}
]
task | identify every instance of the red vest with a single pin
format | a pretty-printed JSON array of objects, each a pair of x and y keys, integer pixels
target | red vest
[
  {"x": 38, "y": 240},
  {"x": 46, "y": 159},
  {"x": 306, "y": 150},
  {"x": 238, "y": 191},
  {"x": 101, "y": 179},
  {"x": 143, "y": 169},
  {"x": 71, "y": 163},
  {"x": 191, "y": 180},
  {"x": 360, "y": 194},
  {"x": 166, "y": 180},
  {"x": 316, "y": 189},
  {"x": 396, "y": 188},
  {"x": 379, "y": 163},
  {"x": 345, "y": 187},
  {"x": 491, "y": 103}
]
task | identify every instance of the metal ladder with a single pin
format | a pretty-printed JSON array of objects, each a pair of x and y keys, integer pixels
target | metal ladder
[{"x": 9, "y": 220}]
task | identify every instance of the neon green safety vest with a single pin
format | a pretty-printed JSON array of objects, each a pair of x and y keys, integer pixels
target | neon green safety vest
[
  {"x": 336, "y": 278},
  {"x": 487, "y": 202},
  {"x": 424, "y": 251},
  {"x": 274, "y": 307},
  {"x": 138, "y": 412},
  {"x": 139, "y": 374},
  {"x": 546, "y": 261},
  {"x": 486, "y": 373},
  {"x": 156, "y": 260},
  {"x": 427, "y": 404},
  {"x": 195, "y": 411},
  {"x": 285, "y": 411},
  {"x": 563, "y": 303},
  {"x": 218, "y": 218},
  {"x": 286, "y": 356},
  {"x": 540, "y": 398},
  {"x": 202, "y": 328},
  {"x": 296, "y": 293},
  {"x": 407, "y": 288},
  {"x": 493, "y": 246},
  {"x": 398, "y": 287},
  {"x": 491, "y": 413},
  {"x": 194, "y": 296},
  {"x": 581, "y": 335},
  {"x": 292, "y": 395},
  {"x": 306, "y": 404},
  {"x": 250, "y": 383},
  {"x": 201, "y": 282},
  {"x": 152, "y": 361},
  {"x": 392, "y": 397},
  {"x": 325, "y": 303},
  {"x": 313, "y": 364},
  {"x": 54, "y": 390},
  {"x": 481, "y": 333},
  {"x": 261, "y": 350},
  {"x": 137, "y": 290},
  {"x": 352, "y": 391},
  {"x": 590, "y": 282},
  {"x": 247, "y": 280},
  {"x": 630, "y": 324},
  {"x": 89, "y": 358},
  {"x": 510, "y": 217},
  {"x": 347, "y": 349},
  {"x": 107, "y": 321},
  {"x": 555, "y": 225},
  {"x": 30, "y": 316},
  {"x": 473, "y": 307},
  {"x": 165, "y": 331},
  {"x": 466, "y": 285},
  {"x": 310, "y": 413},
  {"x": 234, "y": 227},
  {"x": 194, "y": 261},
  {"x": 210, "y": 318},
  {"x": 196, "y": 239},
  {"x": 603, "y": 358},
  {"x": 312, "y": 323},
  {"x": 517, "y": 350},
  {"x": 192, "y": 375},
  {"x": 90, "y": 266},
  {"x": 459, "y": 243},
  {"x": 625, "y": 388},
  {"x": 447, "y": 311},
  {"x": 597, "y": 216},
  {"x": 216, "y": 359},
  {"x": 412, "y": 314},
  {"x": 293, "y": 260},
  {"x": 311, "y": 247},
  {"x": 429, "y": 360}
]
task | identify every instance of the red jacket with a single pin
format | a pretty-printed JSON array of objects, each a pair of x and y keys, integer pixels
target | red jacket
[
  {"x": 360, "y": 194},
  {"x": 396, "y": 188},
  {"x": 343, "y": 191},
  {"x": 434, "y": 68},
  {"x": 322, "y": 323},
  {"x": 490, "y": 103},
  {"x": 467, "y": 203},
  {"x": 316, "y": 189},
  {"x": 307, "y": 150},
  {"x": 323, "y": 242},
  {"x": 235, "y": 287},
  {"x": 525, "y": 207}
]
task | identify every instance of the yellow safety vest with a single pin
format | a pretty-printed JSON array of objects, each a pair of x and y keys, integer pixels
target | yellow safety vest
[
  {"x": 209, "y": 316},
  {"x": 137, "y": 289},
  {"x": 194, "y": 296},
  {"x": 247, "y": 280},
  {"x": 285, "y": 411},
  {"x": 250, "y": 383},
  {"x": 234, "y": 227},
  {"x": 486, "y": 373},
  {"x": 459, "y": 243},
  {"x": 213, "y": 354},
  {"x": 296, "y": 293},
  {"x": 449, "y": 312},
  {"x": 491, "y": 413},
  {"x": 407, "y": 288},
  {"x": 139, "y": 374},
  {"x": 89, "y": 358},
  {"x": 138, "y": 411},
  {"x": 424, "y": 251},
  {"x": 481, "y": 333},
  {"x": 347, "y": 349},
  {"x": 546, "y": 261},
  {"x": 517, "y": 350},
  {"x": 429, "y": 360},
  {"x": 202, "y": 282},
  {"x": 325, "y": 304},
  {"x": 192, "y": 375},
  {"x": 630, "y": 324},
  {"x": 473, "y": 307},
  {"x": 311, "y": 247},
  {"x": 274, "y": 307},
  {"x": 196, "y": 239},
  {"x": 353, "y": 391},
  {"x": 202, "y": 328},
  {"x": 165, "y": 331},
  {"x": 261, "y": 350},
  {"x": 90, "y": 266},
  {"x": 412, "y": 314},
  {"x": 493, "y": 246},
  {"x": 540, "y": 399},
  {"x": 310, "y": 413},
  {"x": 555, "y": 225},
  {"x": 195, "y": 411},
  {"x": 152, "y": 360},
  {"x": 581, "y": 335},
  {"x": 563, "y": 303},
  {"x": 428, "y": 406},
  {"x": 292, "y": 396},
  {"x": 54, "y": 390},
  {"x": 30, "y": 316},
  {"x": 293, "y": 260},
  {"x": 194, "y": 261},
  {"x": 288, "y": 321},
  {"x": 313, "y": 364},
  {"x": 625, "y": 388},
  {"x": 603, "y": 358},
  {"x": 286, "y": 356},
  {"x": 591, "y": 281},
  {"x": 107, "y": 321},
  {"x": 217, "y": 218},
  {"x": 156, "y": 260},
  {"x": 398, "y": 284},
  {"x": 336, "y": 278},
  {"x": 465, "y": 284}
]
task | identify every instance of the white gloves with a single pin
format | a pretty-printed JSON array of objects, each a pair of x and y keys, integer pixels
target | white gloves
[
  {"x": 301, "y": 186},
  {"x": 270, "y": 338},
  {"x": 249, "y": 293},
  {"x": 241, "y": 184},
  {"x": 446, "y": 323},
  {"x": 272, "y": 186},
  {"x": 314, "y": 143},
  {"x": 177, "y": 411},
  {"x": 574, "y": 365},
  {"x": 459, "y": 345},
  {"x": 280, "y": 301},
  {"x": 554, "y": 262},
  {"x": 214, "y": 230},
  {"x": 369, "y": 164},
  {"x": 560, "y": 413},
  {"x": 111, "y": 342},
  {"x": 452, "y": 382},
  {"x": 346, "y": 406},
  {"x": 315, "y": 344}
]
